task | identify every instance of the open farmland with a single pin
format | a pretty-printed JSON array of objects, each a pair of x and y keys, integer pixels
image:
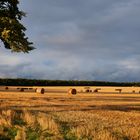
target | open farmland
[{"x": 56, "y": 115}]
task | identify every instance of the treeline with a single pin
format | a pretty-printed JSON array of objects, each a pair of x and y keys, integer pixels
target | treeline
[{"x": 35, "y": 82}]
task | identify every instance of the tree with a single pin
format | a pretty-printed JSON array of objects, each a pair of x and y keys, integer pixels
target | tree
[{"x": 12, "y": 32}]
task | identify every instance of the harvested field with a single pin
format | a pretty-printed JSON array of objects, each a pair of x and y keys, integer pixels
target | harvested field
[{"x": 61, "y": 116}]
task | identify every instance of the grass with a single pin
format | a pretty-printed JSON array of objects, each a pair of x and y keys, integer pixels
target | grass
[{"x": 54, "y": 116}]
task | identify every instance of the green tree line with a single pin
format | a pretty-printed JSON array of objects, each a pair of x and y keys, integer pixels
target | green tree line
[{"x": 35, "y": 82}]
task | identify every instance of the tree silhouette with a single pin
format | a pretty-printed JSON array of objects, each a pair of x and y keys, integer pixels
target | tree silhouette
[{"x": 12, "y": 32}]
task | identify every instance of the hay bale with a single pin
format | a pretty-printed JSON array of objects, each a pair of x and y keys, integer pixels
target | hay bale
[
  {"x": 22, "y": 89},
  {"x": 87, "y": 90},
  {"x": 40, "y": 90},
  {"x": 72, "y": 91},
  {"x": 119, "y": 90},
  {"x": 6, "y": 88},
  {"x": 133, "y": 91},
  {"x": 97, "y": 89}
]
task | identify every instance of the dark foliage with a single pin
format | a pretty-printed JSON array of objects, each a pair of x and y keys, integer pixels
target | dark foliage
[
  {"x": 12, "y": 32},
  {"x": 34, "y": 82}
]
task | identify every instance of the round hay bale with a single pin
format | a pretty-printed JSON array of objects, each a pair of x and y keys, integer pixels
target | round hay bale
[
  {"x": 6, "y": 88},
  {"x": 72, "y": 91},
  {"x": 87, "y": 90},
  {"x": 22, "y": 89},
  {"x": 40, "y": 90},
  {"x": 35, "y": 89}
]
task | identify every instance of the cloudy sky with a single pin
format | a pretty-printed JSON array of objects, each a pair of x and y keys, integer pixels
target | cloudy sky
[{"x": 78, "y": 40}]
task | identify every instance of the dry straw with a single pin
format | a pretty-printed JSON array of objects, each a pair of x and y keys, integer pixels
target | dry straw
[
  {"x": 40, "y": 90},
  {"x": 72, "y": 91}
]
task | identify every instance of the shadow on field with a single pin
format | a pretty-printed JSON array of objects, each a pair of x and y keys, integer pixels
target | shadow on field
[
  {"x": 61, "y": 108},
  {"x": 125, "y": 108}
]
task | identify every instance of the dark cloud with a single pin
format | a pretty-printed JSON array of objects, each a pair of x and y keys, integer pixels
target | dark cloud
[{"x": 78, "y": 39}]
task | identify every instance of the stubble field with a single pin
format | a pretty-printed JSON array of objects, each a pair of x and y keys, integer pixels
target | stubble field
[{"x": 55, "y": 115}]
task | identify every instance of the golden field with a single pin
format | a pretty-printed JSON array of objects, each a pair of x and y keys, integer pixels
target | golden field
[{"x": 55, "y": 115}]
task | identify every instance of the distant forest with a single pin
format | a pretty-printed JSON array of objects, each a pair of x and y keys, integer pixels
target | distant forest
[{"x": 35, "y": 82}]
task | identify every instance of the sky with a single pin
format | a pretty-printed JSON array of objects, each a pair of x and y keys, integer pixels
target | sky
[{"x": 78, "y": 40}]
